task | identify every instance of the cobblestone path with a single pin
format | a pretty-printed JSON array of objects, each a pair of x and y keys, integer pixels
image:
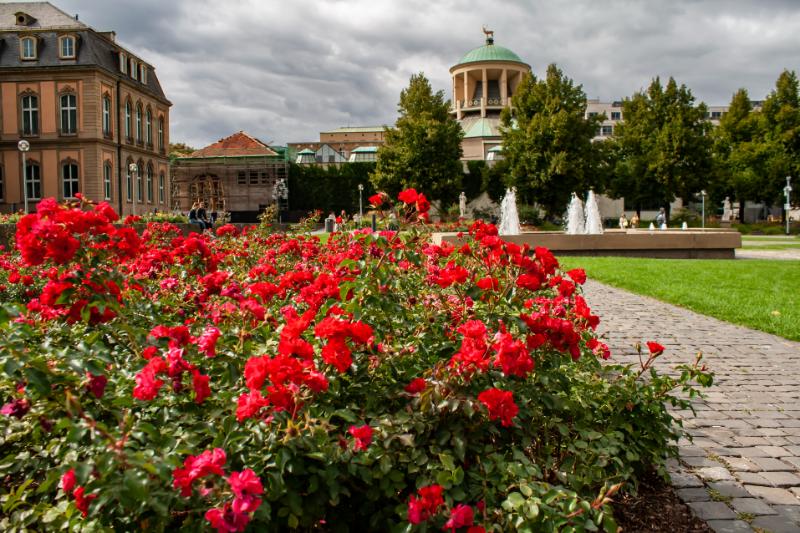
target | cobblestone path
[{"x": 741, "y": 472}]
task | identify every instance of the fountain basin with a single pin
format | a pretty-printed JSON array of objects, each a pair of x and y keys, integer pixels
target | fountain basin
[{"x": 669, "y": 244}]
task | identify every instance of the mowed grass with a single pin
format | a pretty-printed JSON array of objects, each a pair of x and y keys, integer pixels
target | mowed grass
[{"x": 759, "y": 294}]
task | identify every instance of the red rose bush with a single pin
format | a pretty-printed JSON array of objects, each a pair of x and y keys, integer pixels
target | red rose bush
[{"x": 271, "y": 382}]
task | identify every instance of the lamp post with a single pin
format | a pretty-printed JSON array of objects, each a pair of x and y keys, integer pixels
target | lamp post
[
  {"x": 133, "y": 169},
  {"x": 360, "y": 205},
  {"x": 787, "y": 191},
  {"x": 23, "y": 146},
  {"x": 703, "y": 200}
]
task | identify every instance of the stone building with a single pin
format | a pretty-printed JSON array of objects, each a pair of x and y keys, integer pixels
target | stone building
[
  {"x": 341, "y": 145},
  {"x": 89, "y": 108},
  {"x": 484, "y": 80},
  {"x": 238, "y": 174}
]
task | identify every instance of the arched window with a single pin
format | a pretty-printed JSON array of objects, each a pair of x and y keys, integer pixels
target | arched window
[
  {"x": 66, "y": 48},
  {"x": 161, "y": 188},
  {"x": 139, "y": 184},
  {"x": 128, "y": 179},
  {"x": 27, "y": 48},
  {"x": 30, "y": 114},
  {"x": 107, "y": 115},
  {"x": 139, "y": 123},
  {"x": 148, "y": 127},
  {"x": 69, "y": 114},
  {"x": 128, "y": 134},
  {"x": 33, "y": 180},
  {"x": 107, "y": 180},
  {"x": 150, "y": 183},
  {"x": 69, "y": 179},
  {"x": 161, "y": 133}
]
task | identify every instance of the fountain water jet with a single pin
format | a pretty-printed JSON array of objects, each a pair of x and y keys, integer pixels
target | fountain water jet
[
  {"x": 594, "y": 222},
  {"x": 575, "y": 218},
  {"x": 509, "y": 218}
]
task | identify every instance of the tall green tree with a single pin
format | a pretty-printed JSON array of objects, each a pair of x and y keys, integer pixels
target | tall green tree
[
  {"x": 741, "y": 155},
  {"x": 781, "y": 129},
  {"x": 547, "y": 141},
  {"x": 663, "y": 147},
  {"x": 423, "y": 150}
]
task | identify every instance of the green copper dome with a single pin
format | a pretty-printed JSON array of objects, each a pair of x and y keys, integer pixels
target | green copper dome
[{"x": 489, "y": 52}]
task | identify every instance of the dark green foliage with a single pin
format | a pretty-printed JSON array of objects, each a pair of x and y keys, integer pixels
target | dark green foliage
[
  {"x": 547, "y": 141},
  {"x": 331, "y": 188},
  {"x": 423, "y": 150},
  {"x": 663, "y": 147}
]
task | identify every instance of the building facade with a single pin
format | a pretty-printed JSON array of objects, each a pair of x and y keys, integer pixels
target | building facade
[
  {"x": 483, "y": 81},
  {"x": 93, "y": 112},
  {"x": 341, "y": 145},
  {"x": 238, "y": 174}
]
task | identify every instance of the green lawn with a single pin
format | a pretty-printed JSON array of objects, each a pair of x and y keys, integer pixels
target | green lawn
[
  {"x": 770, "y": 242},
  {"x": 759, "y": 294}
]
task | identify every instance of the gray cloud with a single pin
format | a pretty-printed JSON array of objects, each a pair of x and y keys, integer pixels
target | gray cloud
[{"x": 284, "y": 71}]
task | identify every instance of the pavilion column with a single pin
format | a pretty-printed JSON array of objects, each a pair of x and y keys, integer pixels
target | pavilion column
[
  {"x": 466, "y": 94},
  {"x": 504, "y": 87},
  {"x": 484, "y": 93}
]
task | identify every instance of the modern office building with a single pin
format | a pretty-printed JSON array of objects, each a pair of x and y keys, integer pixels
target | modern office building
[{"x": 92, "y": 112}]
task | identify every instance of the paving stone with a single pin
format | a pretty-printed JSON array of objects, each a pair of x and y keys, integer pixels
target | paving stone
[
  {"x": 751, "y": 451},
  {"x": 712, "y": 511},
  {"x": 699, "y": 494},
  {"x": 773, "y": 495},
  {"x": 682, "y": 480},
  {"x": 729, "y": 489},
  {"x": 750, "y": 419},
  {"x": 754, "y": 506},
  {"x": 741, "y": 464},
  {"x": 775, "y": 451},
  {"x": 730, "y": 526},
  {"x": 770, "y": 464},
  {"x": 792, "y": 512},
  {"x": 774, "y": 524},
  {"x": 753, "y": 478},
  {"x": 698, "y": 462},
  {"x": 782, "y": 479},
  {"x": 715, "y": 473}
]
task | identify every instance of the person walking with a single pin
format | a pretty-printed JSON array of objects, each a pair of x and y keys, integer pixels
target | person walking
[{"x": 661, "y": 219}]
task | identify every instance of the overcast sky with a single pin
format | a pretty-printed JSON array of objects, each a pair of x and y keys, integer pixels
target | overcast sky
[{"x": 286, "y": 70}]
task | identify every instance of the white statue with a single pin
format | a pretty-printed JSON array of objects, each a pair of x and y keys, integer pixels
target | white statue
[
  {"x": 462, "y": 205},
  {"x": 727, "y": 212}
]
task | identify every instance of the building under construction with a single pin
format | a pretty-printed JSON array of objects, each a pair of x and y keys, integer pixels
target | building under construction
[{"x": 239, "y": 175}]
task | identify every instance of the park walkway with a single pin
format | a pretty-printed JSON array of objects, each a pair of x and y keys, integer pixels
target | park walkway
[{"x": 742, "y": 470}]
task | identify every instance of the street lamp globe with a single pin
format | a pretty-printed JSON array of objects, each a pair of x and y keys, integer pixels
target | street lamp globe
[{"x": 23, "y": 146}]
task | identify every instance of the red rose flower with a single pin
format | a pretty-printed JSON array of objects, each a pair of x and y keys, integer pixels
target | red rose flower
[
  {"x": 460, "y": 516},
  {"x": 97, "y": 384},
  {"x": 376, "y": 200},
  {"x": 655, "y": 348},
  {"x": 500, "y": 404},
  {"x": 200, "y": 386},
  {"x": 362, "y": 436},
  {"x": 408, "y": 196},
  {"x": 82, "y": 502},
  {"x": 68, "y": 481},
  {"x": 578, "y": 275},
  {"x": 425, "y": 504},
  {"x": 417, "y": 385}
]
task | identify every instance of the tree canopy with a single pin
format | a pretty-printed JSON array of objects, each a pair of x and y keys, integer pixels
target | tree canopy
[
  {"x": 547, "y": 141},
  {"x": 423, "y": 150},
  {"x": 663, "y": 147}
]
